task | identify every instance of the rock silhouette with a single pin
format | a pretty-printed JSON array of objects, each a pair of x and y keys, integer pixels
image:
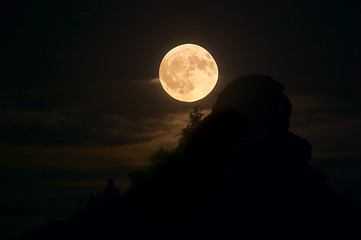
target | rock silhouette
[
  {"x": 241, "y": 173},
  {"x": 243, "y": 169}
]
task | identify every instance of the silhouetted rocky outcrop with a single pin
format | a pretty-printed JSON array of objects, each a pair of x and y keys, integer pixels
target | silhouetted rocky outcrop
[
  {"x": 243, "y": 168},
  {"x": 242, "y": 172}
]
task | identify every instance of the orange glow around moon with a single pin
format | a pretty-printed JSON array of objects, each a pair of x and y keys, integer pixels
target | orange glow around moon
[{"x": 188, "y": 73}]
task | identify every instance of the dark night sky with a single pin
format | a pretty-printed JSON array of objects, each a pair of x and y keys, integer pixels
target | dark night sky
[{"x": 80, "y": 100}]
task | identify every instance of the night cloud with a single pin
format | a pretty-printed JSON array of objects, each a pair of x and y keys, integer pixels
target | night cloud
[
  {"x": 330, "y": 123},
  {"x": 116, "y": 113},
  {"x": 108, "y": 113}
]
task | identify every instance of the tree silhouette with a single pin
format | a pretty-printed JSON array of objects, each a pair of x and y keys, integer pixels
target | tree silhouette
[
  {"x": 111, "y": 192},
  {"x": 141, "y": 177},
  {"x": 92, "y": 203},
  {"x": 195, "y": 118},
  {"x": 159, "y": 158}
]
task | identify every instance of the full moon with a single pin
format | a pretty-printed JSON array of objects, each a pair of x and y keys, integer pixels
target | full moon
[{"x": 188, "y": 73}]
